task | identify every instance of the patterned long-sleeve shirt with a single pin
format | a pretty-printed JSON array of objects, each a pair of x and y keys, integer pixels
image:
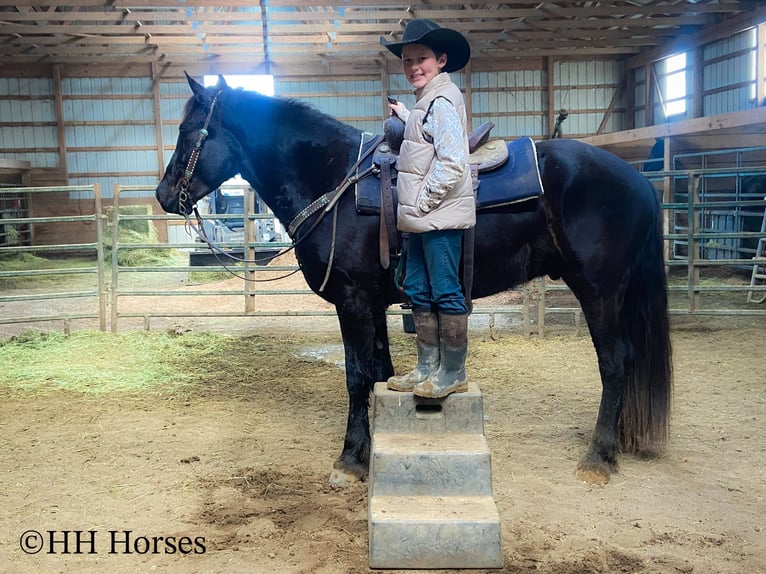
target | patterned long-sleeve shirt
[{"x": 444, "y": 128}]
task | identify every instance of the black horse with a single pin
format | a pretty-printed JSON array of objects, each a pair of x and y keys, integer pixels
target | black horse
[{"x": 597, "y": 226}]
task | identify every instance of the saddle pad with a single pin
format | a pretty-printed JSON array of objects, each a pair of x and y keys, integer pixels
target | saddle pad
[{"x": 518, "y": 179}]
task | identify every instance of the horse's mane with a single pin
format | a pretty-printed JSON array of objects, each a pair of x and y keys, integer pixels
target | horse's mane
[{"x": 304, "y": 116}]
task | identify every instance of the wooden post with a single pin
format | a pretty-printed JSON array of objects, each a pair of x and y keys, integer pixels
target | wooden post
[
  {"x": 551, "y": 91},
  {"x": 667, "y": 197},
  {"x": 698, "y": 106},
  {"x": 760, "y": 73},
  {"x": 158, "y": 120},
  {"x": 648, "y": 98},
  {"x": 249, "y": 250},
  {"x": 60, "y": 129},
  {"x": 384, "y": 84},
  {"x": 468, "y": 95},
  {"x": 630, "y": 99},
  {"x": 694, "y": 225}
]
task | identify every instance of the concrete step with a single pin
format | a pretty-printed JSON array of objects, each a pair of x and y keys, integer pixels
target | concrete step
[
  {"x": 434, "y": 532},
  {"x": 430, "y": 465},
  {"x": 404, "y": 413}
]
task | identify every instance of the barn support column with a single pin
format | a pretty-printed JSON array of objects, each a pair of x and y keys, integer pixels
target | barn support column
[
  {"x": 60, "y": 130},
  {"x": 698, "y": 105},
  {"x": 158, "y": 119},
  {"x": 551, "y": 94},
  {"x": 648, "y": 94},
  {"x": 630, "y": 98},
  {"x": 468, "y": 94},
  {"x": 667, "y": 197},
  {"x": 384, "y": 87},
  {"x": 760, "y": 70}
]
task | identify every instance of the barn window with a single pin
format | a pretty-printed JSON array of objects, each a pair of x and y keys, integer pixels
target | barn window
[
  {"x": 262, "y": 83},
  {"x": 675, "y": 85}
]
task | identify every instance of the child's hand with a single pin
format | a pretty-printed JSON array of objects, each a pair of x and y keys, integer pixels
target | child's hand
[{"x": 397, "y": 108}]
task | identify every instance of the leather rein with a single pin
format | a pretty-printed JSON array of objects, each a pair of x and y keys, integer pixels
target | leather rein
[{"x": 326, "y": 203}]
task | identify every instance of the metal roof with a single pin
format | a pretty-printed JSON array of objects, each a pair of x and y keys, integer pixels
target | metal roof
[{"x": 305, "y": 32}]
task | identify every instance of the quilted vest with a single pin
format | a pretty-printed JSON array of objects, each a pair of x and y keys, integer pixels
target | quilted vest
[{"x": 417, "y": 159}]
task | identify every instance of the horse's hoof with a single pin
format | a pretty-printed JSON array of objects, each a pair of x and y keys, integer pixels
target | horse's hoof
[
  {"x": 342, "y": 479},
  {"x": 592, "y": 475}
]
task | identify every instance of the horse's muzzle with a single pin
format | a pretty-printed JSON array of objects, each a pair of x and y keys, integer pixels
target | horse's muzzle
[{"x": 167, "y": 197}]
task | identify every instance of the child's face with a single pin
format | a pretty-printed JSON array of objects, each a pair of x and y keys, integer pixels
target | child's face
[{"x": 420, "y": 64}]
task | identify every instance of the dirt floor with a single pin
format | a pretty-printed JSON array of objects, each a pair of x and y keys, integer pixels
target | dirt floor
[{"x": 230, "y": 474}]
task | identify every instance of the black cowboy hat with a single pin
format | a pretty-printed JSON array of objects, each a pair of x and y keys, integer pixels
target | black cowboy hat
[{"x": 428, "y": 32}]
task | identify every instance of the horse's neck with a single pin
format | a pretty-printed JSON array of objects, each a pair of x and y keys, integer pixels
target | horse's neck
[{"x": 290, "y": 160}]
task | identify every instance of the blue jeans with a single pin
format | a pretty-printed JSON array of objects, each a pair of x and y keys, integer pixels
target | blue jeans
[{"x": 431, "y": 280}]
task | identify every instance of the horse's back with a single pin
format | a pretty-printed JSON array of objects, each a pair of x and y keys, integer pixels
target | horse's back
[
  {"x": 574, "y": 163},
  {"x": 582, "y": 180}
]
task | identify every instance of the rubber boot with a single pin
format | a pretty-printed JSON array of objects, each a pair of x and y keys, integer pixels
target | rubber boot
[
  {"x": 450, "y": 377},
  {"x": 427, "y": 341}
]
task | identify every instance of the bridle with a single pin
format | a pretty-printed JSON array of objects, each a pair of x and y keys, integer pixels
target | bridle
[
  {"x": 325, "y": 203},
  {"x": 183, "y": 195},
  {"x": 197, "y": 227}
]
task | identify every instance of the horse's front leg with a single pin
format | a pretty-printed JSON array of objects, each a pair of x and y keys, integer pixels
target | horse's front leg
[{"x": 367, "y": 359}]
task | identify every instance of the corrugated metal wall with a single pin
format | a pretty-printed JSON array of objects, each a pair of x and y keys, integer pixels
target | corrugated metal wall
[
  {"x": 111, "y": 136},
  {"x": 173, "y": 98},
  {"x": 514, "y": 101},
  {"x": 586, "y": 91},
  {"x": 109, "y": 131},
  {"x": 357, "y": 102},
  {"x": 28, "y": 120},
  {"x": 728, "y": 74}
]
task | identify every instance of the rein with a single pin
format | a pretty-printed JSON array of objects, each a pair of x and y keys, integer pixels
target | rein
[
  {"x": 330, "y": 198},
  {"x": 330, "y": 202}
]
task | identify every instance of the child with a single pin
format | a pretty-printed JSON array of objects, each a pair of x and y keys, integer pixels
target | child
[{"x": 436, "y": 205}]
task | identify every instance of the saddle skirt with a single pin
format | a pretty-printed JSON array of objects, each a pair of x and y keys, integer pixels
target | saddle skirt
[{"x": 507, "y": 172}]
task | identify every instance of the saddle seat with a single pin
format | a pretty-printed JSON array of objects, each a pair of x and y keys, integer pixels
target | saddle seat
[{"x": 486, "y": 155}]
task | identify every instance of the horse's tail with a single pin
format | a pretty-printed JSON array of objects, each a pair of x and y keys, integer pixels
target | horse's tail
[{"x": 645, "y": 416}]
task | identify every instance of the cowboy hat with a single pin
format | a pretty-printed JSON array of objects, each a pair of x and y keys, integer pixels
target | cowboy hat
[{"x": 428, "y": 32}]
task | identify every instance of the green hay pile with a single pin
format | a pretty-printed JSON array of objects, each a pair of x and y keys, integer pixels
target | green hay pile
[
  {"x": 24, "y": 261},
  {"x": 98, "y": 362},
  {"x": 136, "y": 231}
]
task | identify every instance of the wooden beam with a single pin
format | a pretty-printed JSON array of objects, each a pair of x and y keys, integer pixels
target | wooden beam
[
  {"x": 751, "y": 119},
  {"x": 612, "y": 104}
]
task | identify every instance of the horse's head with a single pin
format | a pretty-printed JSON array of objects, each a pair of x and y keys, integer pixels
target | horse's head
[{"x": 206, "y": 154}]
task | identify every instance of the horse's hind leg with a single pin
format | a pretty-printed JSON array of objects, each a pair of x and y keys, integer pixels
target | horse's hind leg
[{"x": 600, "y": 461}]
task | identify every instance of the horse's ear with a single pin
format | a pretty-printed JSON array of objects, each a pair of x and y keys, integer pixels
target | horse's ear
[
  {"x": 199, "y": 90},
  {"x": 221, "y": 82}
]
